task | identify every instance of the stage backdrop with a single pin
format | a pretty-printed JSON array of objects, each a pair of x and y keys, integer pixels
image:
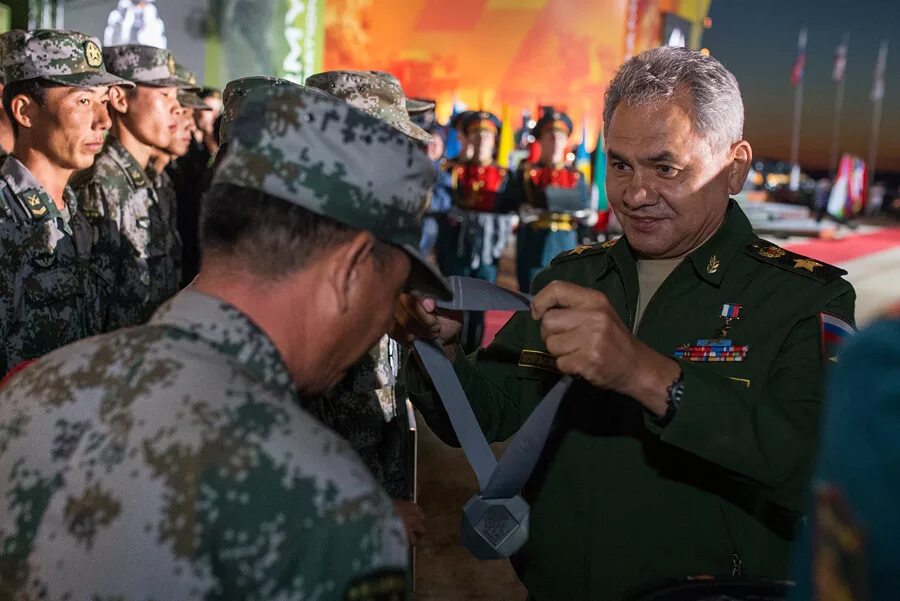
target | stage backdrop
[{"x": 487, "y": 53}]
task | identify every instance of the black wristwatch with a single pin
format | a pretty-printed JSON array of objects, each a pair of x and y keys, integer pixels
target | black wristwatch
[{"x": 674, "y": 393}]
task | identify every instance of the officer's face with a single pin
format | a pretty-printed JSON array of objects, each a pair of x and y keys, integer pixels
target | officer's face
[
  {"x": 664, "y": 182},
  {"x": 152, "y": 115},
  {"x": 553, "y": 145},
  {"x": 71, "y": 124}
]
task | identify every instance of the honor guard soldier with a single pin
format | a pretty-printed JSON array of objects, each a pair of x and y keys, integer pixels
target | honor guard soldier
[
  {"x": 549, "y": 194},
  {"x": 55, "y": 97},
  {"x": 448, "y": 227},
  {"x": 482, "y": 231},
  {"x": 173, "y": 460},
  {"x": 684, "y": 446},
  {"x": 134, "y": 240}
]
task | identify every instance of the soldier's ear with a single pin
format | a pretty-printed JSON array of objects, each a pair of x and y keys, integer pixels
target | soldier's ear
[
  {"x": 24, "y": 110},
  {"x": 741, "y": 156},
  {"x": 118, "y": 99},
  {"x": 350, "y": 278}
]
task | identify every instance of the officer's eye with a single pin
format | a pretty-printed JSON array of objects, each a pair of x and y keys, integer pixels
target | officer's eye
[
  {"x": 667, "y": 171},
  {"x": 620, "y": 166}
]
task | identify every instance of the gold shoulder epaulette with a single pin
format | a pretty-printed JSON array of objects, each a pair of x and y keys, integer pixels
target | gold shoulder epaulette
[
  {"x": 772, "y": 254},
  {"x": 584, "y": 250}
]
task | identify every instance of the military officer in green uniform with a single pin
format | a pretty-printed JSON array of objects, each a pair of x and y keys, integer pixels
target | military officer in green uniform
[
  {"x": 55, "y": 96},
  {"x": 173, "y": 460},
  {"x": 684, "y": 445},
  {"x": 134, "y": 240}
]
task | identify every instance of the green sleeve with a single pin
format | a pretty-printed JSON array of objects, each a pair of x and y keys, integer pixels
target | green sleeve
[{"x": 767, "y": 433}]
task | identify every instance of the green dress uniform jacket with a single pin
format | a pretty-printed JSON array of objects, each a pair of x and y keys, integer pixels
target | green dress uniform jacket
[
  {"x": 48, "y": 294},
  {"x": 617, "y": 499},
  {"x": 173, "y": 461},
  {"x": 134, "y": 241}
]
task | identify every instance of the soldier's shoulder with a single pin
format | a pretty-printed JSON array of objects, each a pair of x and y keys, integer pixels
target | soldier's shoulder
[
  {"x": 585, "y": 250},
  {"x": 793, "y": 263}
]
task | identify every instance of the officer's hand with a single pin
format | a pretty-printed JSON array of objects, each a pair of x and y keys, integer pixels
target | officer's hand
[
  {"x": 413, "y": 519},
  {"x": 419, "y": 317},
  {"x": 582, "y": 331}
]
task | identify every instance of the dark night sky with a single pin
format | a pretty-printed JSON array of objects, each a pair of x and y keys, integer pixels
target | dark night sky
[{"x": 757, "y": 41}]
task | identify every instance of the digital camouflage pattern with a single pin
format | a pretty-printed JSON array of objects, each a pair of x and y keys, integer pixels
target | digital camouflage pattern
[
  {"x": 145, "y": 65},
  {"x": 414, "y": 106},
  {"x": 233, "y": 98},
  {"x": 368, "y": 409},
  {"x": 134, "y": 242},
  {"x": 70, "y": 58},
  {"x": 334, "y": 160},
  {"x": 168, "y": 206},
  {"x": 48, "y": 295},
  {"x": 173, "y": 461},
  {"x": 375, "y": 92},
  {"x": 188, "y": 97}
]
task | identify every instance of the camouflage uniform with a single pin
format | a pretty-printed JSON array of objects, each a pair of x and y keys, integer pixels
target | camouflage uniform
[
  {"x": 173, "y": 460},
  {"x": 366, "y": 408},
  {"x": 136, "y": 242},
  {"x": 48, "y": 295}
]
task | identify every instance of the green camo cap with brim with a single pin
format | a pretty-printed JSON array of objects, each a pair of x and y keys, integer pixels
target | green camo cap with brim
[
  {"x": 233, "y": 98},
  {"x": 325, "y": 155},
  {"x": 144, "y": 65},
  {"x": 376, "y": 92},
  {"x": 70, "y": 58},
  {"x": 189, "y": 97}
]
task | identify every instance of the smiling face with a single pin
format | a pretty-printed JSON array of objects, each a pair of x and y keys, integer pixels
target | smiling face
[
  {"x": 70, "y": 125},
  {"x": 668, "y": 188}
]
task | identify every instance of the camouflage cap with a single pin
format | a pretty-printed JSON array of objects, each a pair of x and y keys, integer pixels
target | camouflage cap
[
  {"x": 233, "y": 98},
  {"x": 334, "y": 160},
  {"x": 372, "y": 92},
  {"x": 145, "y": 65},
  {"x": 414, "y": 106},
  {"x": 189, "y": 97},
  {"x": 69, "y": 58}
]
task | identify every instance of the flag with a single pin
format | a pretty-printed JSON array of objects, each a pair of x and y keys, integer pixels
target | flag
[
  {"x": 880, "y": 66},
  {"x": 800, "y": 62},
  {"x": 507, "y": 142},
  {"x": 598, "y": 187},
  {"x": 840, "y": 59},
  {"x": 583, "y": 157}
]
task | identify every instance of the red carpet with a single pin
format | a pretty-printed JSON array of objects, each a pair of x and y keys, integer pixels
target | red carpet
[{"x": 830, "y": 251}]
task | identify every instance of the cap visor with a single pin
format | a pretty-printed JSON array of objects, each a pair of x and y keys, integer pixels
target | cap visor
[
  {"x": 90, "y": 80},
  {"x": 424, "y": 277},
  {"x": 169, "y": 82},
  {"x": 418, "y": 106},
  {"x": 413, "y": 131}
]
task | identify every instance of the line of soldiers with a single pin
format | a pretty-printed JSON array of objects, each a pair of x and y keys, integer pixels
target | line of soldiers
[
  {"x": 208, "y": 395},
  {"x": 544, "y": 201}
]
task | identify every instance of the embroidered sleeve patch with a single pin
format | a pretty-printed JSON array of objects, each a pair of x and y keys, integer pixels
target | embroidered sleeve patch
[
  {"x": 834, "y": 331},
  {"x": 383, "y": 585}
]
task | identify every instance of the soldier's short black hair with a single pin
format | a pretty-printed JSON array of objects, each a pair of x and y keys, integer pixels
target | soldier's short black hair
[
  {"x": 270, "y": 235},
  {"x": 35, "y": 88}
]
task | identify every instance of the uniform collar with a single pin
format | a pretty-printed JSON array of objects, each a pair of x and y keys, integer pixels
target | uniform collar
[
  {"x": 127, "y": 163},
  {"x": 229, "y": 331},
  {"x": 23, "y": 184},
  {"x": 710, "y": 261}
]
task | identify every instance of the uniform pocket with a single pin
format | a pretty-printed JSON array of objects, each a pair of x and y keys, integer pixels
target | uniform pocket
[{"x": 48, "y": 286}]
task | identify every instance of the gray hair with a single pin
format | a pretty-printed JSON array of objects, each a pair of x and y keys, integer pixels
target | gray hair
[{"x": 660, "y": 74}]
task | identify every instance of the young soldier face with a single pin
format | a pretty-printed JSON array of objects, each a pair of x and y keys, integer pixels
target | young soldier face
[
  {"x": 553, "y": 145},
  {"x": 181, "y": 140},
  {"x": 484, "y": 142},
  {"x": 664, "y": 182},
  {"x": 151, "y": 114},
  {"x": 70, "y": 126}
]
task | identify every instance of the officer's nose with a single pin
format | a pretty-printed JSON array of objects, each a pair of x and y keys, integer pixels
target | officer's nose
[
  {"x": 638, "y": 193},
  {"x": 102, "y": 120}
]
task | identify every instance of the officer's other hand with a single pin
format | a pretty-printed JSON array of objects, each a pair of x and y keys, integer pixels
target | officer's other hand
[
  {"x": 413, "y": 519},
  {"x": 582, "y": 331},
  {"x": 418, "y": 317}
]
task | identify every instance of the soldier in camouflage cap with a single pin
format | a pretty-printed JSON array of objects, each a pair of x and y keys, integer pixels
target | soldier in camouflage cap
[
  {"x": 55, "y": 97},
  {"x": 376, "y": 92},
  {"x": 242, "y": 494},
  {"x": 136, "y": 243}
]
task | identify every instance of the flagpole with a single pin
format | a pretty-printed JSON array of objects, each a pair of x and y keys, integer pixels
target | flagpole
[
  {"x": 878, "y": 98},
  {"x": 838, "y": 107},
  {"x": 798, "y": 109}
]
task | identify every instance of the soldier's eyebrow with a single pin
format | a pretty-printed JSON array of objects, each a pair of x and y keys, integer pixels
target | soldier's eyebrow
[
  {"x": 665, "y": 156},
  {"x": 615, "y": 156}
]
